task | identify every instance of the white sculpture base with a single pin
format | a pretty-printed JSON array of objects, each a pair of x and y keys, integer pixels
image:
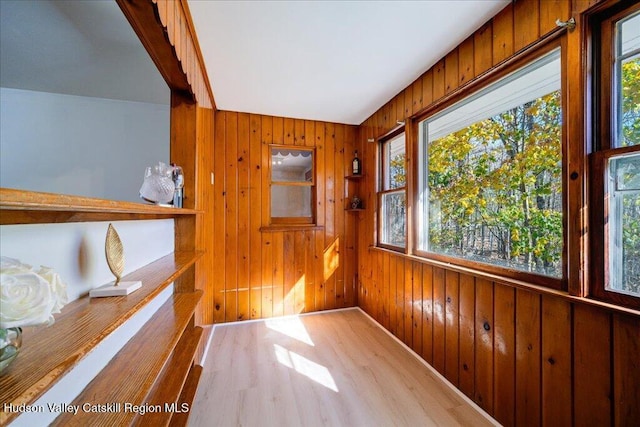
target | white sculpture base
[{"x": 123, "y": 288}]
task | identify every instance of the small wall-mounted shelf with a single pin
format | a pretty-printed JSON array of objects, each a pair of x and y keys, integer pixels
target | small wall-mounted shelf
[
  {"x": 355, "y": 210},
  {"x": 354, "y": 177}
]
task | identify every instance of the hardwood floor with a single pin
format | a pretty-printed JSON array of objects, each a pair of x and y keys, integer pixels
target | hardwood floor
[{"x": 333, "y": 368}]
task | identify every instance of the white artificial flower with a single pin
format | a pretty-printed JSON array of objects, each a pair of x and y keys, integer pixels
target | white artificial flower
[
  {"x": 13, "y": 266},
  {"x": 58, "y": 288},
  {"x": 25, "y": 299}
]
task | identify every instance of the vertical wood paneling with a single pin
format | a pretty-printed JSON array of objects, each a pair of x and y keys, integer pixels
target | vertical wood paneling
[
  {"x": 439, "y": 86},
  {"x": 242, "y": 156},
  {"x": 484, "y": 345},
  {"x": 465, "y": 61},
  {"x": 528, "y": 375},
  {"x": 399, "y": 107},
  {"x": 272, "y": 132},
  {"x": 427, "y": 88},
  {"x": 272, "y": 273},
  {"x": 231, "y": 214},
  {"x": 626, "y": 368},
  {"x": 289, "y": 132},
  {"x": 400, "y": 287},
  {"x": 260, "y": 129},
  {"x": 504, "y": 359},
  {"x": 408, "y": 102},
  {"x": 320, "y": 287},
  {"x": 439, "y": 352},
  {"x": 310, "y": 271},
  {"x": 417, "y": 95},
  {"x": 329, "y": 209},
  {"x": 592, "y": 366},
  {"x": 386, "y": 291},
  {"x": 451, "y": 71},
  {"x": 278, "y": 273},
  {"x": 483, "y": 49},
  {"x": 556, "y": 361},
  {"x": 452, "y": 326},
  {"x": 427, "y": 313},
  {"x": 339, "y": 214},
  {"x": 393, "y": 296},
  {"x": 467, "y": 335},
  {"x": 408, "y": 303},
  {"x": 503, "y": 34},
  {"x": 299, "y": 133},
  {"x": 300, "y": 276},
  {"x": 416, "y": 308},
  {"x": 526, "y": 23},
  {"x": 290, "y": 277},
  {"x": 219, "y": 218}
]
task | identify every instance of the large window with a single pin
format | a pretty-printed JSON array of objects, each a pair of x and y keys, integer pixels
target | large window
[
  {"x": 616, "y": 163},
  {"x": 490, "y": 181},
  {"x": 292, "y": 186},
  {"x": 392, "y": 194}
]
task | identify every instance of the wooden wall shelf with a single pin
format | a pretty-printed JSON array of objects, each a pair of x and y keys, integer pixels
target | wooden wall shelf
[
  {"x": 140, "y": 376},
  {"x": 354, "y": 177},
  {"x": 48, "y": 353},
  {"x": 29, "y": 207}
]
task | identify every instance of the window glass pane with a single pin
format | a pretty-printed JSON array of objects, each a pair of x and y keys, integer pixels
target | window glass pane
[
  {"x": 395, "y": 173},
  {"x": 491, "y": 189},
  {"x": 291, "y": 165},
  {"x": 289, "y": 201},
  {"x": 624, "y": 224},
  {"x": 630, "y": 34},
  {"x": 393, "y": 218},
  {"x": 628, "y": 82}
]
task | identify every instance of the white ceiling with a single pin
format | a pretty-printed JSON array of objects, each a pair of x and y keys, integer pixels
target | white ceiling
[{"x": 336, "y": 61}]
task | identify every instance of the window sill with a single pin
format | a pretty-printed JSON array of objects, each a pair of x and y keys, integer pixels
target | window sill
[
  {"x": 513, "y": 282},
  {"x": 293, "y": 227}
]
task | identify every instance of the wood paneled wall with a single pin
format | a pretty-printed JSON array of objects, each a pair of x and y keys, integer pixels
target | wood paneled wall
[
  {"x": 262, "y": 274},
  {"x": 527, "y": 356},
  {"x": 166, "y": 30}
]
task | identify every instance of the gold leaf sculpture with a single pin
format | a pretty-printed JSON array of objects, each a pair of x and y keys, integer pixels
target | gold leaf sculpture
[{"x": 114, "y": 252}]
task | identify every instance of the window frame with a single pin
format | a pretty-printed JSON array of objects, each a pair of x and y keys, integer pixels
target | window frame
[
  {"x": 605, "y": 110},
  {"x": 495, "y": 76},
  {"x": 293, "y": 220},
  {"x": 381, "y": 192}
]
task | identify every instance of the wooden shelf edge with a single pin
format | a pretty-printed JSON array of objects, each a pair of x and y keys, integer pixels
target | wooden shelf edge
[
  {"x": 355, "y": 210},
  {"x": 168, "y": 387},
  {"x": 276, "y": 228},
  {"x": 180, "y": 419},
  {"x": 131, "y": 374},
  {"x": 30, "y": 207},
  {"x": 49, "y": 353},
  {"x": 354, "y": 177}
]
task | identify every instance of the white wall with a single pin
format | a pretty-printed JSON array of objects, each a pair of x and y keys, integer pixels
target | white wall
[
  {"x": 76, "y": 250},
  {"x": 78, "y": 145}
]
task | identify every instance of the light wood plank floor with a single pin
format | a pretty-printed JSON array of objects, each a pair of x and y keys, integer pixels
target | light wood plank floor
[{"x": 326, "y": 369}]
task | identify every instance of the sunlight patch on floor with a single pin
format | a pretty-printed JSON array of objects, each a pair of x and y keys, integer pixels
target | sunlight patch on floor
[
  {"x": 291, "y": 327},
  {"x": 310, "y": 369}
]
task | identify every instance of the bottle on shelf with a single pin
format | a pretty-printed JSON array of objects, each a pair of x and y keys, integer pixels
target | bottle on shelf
[{"x": 356, "y": 166}]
